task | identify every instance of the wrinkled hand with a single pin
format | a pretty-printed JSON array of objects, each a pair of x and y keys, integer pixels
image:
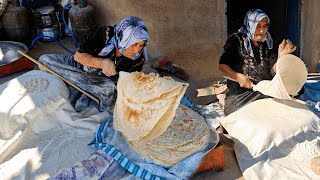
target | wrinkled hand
[
  {"x": 286, "y": 47},
  {"x": 244, "y": 81},
  {"x": 108, "y": 67}
]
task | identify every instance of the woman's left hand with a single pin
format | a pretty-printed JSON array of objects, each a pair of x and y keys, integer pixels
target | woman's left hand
[{"x": 286, "y": 47}]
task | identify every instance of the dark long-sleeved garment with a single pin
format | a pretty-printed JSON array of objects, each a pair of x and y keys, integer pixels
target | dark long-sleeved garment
[
  {"x": 257, "y": 68},
  {"x": 91, "y": 79}
]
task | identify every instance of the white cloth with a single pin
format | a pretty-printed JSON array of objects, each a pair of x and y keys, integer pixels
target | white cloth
[
  {"x": 274, "y": 139},
  {"x": 41, "y": 133}
]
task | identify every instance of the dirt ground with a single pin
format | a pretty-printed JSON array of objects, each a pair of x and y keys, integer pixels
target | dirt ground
[{"x": 231, "y": 169}]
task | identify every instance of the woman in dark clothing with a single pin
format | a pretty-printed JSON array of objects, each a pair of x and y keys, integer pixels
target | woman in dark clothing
[
  {"x": 95, "y": 70},
  {"x": 248, "y": 58}
]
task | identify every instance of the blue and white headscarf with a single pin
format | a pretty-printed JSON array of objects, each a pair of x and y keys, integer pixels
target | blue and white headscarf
[
  {"x": 128, "y": 31},
  {"x": 251, "y": 20}
]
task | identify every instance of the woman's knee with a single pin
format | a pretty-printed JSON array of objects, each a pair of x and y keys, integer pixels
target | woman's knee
[{"x": 44, "y": 59}]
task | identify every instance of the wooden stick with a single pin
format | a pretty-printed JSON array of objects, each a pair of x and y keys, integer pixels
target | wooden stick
[
  {"x": 294, "y": 99},
  {"x": 313, "y": 77},
  {"x": 54, "y": 73},
  {"x": 313, "y": 74},
  {"x": 208, "y": 91},
  {"x": 229, "y": 78},
  {"x": 298, "y": 100}
]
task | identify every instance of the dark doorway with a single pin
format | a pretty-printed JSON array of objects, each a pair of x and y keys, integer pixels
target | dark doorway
[{"x": 284, "y": 16}]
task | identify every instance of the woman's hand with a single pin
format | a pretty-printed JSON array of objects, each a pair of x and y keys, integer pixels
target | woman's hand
[
  {"x": 286, "y": 47},
  {"x": 108, "y": 67},
  {"x": 244, "y": 81},
  {"x": 77, "y": 56}
]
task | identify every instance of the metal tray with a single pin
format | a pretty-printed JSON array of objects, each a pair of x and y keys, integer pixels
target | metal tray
[{"x": 9, "y": 51}]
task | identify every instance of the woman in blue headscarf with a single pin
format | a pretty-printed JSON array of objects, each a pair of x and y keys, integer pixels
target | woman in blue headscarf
[
  {"x": 94, "y": 70},
  {"x": 248, "y": 58}
]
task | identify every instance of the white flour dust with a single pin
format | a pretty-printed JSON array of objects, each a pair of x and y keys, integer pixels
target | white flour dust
[{"x": 36, "y": 85}]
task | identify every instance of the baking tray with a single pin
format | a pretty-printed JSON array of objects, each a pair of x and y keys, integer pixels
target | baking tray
[{"x": 10, "y": 60}]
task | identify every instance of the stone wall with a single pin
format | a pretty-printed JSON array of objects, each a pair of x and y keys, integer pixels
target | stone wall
[
  {"x": 310, "y": 33},
  {"x": 191, "y": 33}
]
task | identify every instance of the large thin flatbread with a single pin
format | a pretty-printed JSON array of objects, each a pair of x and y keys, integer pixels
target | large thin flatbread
[
  {"x": 187, "y": 134},
  {"x": 289, "y": 79},
  {"x": 146, "y": 103},
  {"x": 142, "y": 88},
  {"x": 166, "y": 119}
]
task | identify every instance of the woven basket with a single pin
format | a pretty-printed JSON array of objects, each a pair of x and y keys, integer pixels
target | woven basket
[{"x": 3, "y": 6}]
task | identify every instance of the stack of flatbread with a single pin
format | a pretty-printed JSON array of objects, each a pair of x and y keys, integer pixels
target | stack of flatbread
[
  {"x": 188, "y": 133},
  {"x": 145, "y": 113}
]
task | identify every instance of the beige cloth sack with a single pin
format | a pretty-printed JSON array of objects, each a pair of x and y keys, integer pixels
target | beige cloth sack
[
  {"x": 274, "y": 139},
  {"x": 146, "y": 104},
  {"x": 291, "y": 74}
]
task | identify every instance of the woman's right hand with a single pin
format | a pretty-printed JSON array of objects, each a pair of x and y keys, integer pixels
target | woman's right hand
[
  {"x": 108, "y": 67},
  {"x": 286, "y": 47},
  {"x": 244, "y": 81}
]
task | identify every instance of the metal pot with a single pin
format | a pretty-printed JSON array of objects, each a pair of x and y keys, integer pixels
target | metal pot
[
  {"x": 46, "y": 17},
  {"x": 47, "y": 23},
  {"x": 52, "y": 32}
]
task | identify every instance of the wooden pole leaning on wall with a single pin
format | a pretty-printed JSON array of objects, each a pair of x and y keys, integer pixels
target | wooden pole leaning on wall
[{"x": 56, "y": 74}]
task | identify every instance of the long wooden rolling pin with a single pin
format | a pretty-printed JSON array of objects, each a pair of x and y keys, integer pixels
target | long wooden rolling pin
[
  {"x": 54, "y": 73},
  {"x": 294, "y": 99}
]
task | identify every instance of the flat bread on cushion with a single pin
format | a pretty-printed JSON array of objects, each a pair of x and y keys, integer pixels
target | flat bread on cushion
[
  {"x": 156, "y": 97},
  {"x": 187, "y": 134}
]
